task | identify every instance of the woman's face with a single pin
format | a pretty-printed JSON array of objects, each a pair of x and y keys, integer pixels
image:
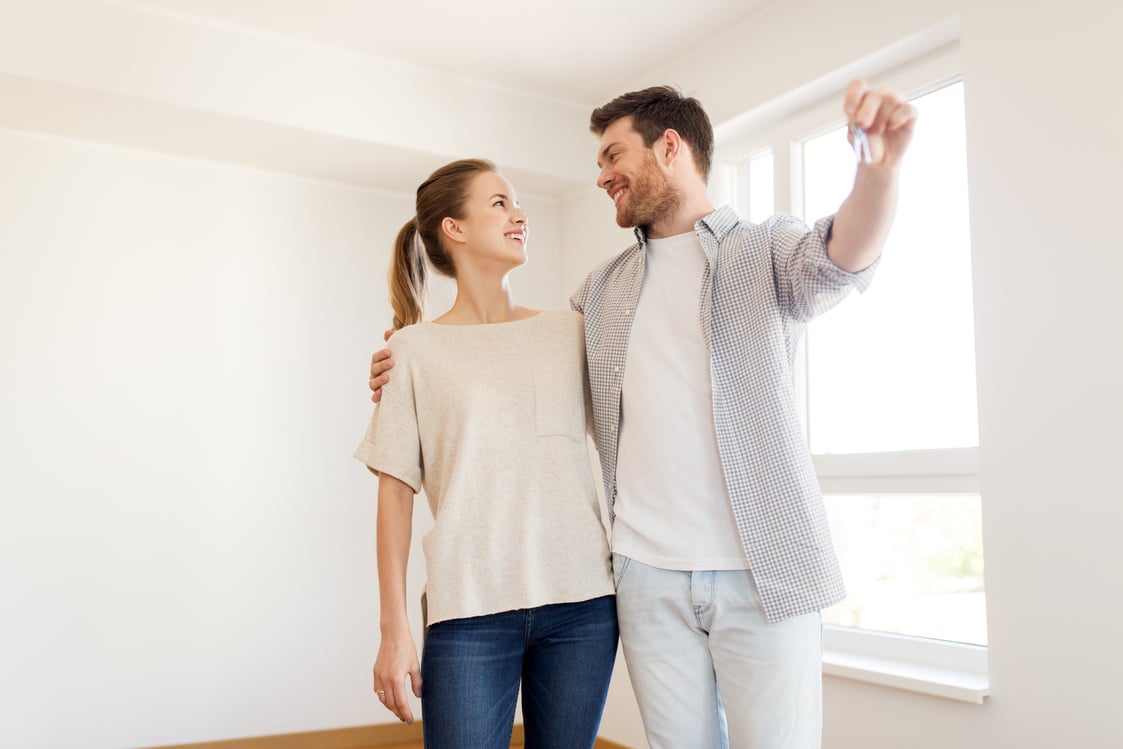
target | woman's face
[{"x": 494, "y": 228}]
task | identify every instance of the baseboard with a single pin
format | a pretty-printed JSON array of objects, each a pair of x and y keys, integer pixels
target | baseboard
[
  {"x": 367, "y": 737},
  {"x": 382, "y": 734},
  {"x": 606, "y": 744}
]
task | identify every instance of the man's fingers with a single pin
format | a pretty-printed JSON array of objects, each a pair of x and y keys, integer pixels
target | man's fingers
[
  {"x": 386, "y": 335},
  {"x": 876, "y": 110},
  {"x": 903, "y": 114},
  {"x": 853, "y": 99},
  {"x": 868, "y": 111},
  {"x": 375, "y": 384},
  {"x": 415, "y": 680},
  {"x": 380, "y": 363}
]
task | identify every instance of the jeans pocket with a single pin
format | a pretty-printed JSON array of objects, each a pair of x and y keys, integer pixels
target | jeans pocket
[{"x": 619, "y": 567}]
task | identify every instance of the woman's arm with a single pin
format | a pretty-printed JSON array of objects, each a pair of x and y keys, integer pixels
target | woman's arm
[{"x": 397, "y": 653}]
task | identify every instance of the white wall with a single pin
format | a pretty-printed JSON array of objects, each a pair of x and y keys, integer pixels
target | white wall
[
  {"x": 1044, "y": 161},
  {"x": 187, "y": 550},
  {"x": 119, "y": 72}
]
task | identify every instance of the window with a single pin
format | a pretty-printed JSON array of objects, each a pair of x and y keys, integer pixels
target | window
[
  {"x": 754, "y": 194},
  {"x": 891, "y": 373},
  {"x": 887, "y": 380}
]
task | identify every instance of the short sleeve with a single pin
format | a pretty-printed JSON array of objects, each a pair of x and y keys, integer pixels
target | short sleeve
[{"x": 392, "y": 443}]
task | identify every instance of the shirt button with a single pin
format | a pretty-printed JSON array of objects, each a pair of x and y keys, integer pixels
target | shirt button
[
  {"x": 616, "y": 369},
  {"x": 627, "y": 312}
]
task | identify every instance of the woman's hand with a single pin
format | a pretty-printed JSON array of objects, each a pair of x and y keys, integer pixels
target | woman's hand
[{"x": 397, "y": 659}]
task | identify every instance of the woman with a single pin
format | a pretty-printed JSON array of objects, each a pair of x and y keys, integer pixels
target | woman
[{"x": 487, "y": 414}]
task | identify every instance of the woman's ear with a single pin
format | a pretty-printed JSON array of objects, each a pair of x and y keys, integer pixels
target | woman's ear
[{"x": 452, "y": 230}]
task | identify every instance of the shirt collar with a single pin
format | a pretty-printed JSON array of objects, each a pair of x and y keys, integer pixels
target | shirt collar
[{"x": 717, "y": 223}]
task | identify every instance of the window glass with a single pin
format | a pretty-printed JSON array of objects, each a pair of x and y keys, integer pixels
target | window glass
[
  {"x": 762, "y": 198},
  {"x": 913, "y": 564},
  {"x": 893, "y": 369}
]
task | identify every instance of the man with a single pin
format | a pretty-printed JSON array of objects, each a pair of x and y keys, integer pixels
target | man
[{"x": 721, "y": 549}]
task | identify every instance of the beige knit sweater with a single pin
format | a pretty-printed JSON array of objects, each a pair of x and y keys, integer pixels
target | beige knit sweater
[{"x": 490, "y": 420}]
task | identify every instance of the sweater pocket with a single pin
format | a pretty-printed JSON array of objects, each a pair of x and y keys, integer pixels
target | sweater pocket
[{"x": 559, "y": 404}]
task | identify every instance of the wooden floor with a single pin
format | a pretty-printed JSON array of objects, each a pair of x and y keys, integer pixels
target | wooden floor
[
  {"x": 383, "y": 736},
  {"x": 414, "y": 745}
]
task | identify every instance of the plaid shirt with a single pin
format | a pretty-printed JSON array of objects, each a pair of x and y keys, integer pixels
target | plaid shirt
[{"x": 761, "y": 284}]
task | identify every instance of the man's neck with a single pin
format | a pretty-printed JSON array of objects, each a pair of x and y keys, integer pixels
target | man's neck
[{"x": 692, "y": 210}]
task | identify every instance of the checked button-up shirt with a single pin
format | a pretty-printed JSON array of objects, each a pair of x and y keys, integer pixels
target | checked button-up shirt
[{"x": 761, "y": 284}]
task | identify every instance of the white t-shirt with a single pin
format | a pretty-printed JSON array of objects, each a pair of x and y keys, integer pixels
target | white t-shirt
[
  {"x": 672, "y": 505},
  {"x": 490, "y": 421}
]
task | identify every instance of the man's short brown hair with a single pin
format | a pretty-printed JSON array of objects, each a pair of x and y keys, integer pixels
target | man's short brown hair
[{"x": 655, "y": 110}]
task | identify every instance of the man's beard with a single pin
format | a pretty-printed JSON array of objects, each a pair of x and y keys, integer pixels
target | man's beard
[{"x": 650, "y": 197}]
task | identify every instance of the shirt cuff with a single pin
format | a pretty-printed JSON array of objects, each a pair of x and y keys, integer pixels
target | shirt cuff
[{"x": 860, "y": 279}]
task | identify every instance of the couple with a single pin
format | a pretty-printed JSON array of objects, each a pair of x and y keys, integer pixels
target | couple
[{"x": 720, "y": 556}]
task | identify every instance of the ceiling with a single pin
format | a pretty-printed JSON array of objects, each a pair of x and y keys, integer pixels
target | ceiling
[
  {"x": 362, "y": 91},
  {"x": 582, "y": 51}
]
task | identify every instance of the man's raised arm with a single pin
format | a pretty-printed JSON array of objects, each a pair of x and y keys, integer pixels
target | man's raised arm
[{"x": 863, "y": 221}]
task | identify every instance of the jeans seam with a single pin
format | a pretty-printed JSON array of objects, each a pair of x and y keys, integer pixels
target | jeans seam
[{"x": 700, "y": 610}]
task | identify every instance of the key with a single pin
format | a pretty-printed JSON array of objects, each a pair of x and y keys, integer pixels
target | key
[{"x": 861, "y": 144}]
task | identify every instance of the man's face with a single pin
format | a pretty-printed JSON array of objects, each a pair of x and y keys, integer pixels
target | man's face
[{"x": 632, "y": 176}]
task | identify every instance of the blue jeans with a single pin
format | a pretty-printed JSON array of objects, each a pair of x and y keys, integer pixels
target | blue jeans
[{"x": 563, "y": 654}]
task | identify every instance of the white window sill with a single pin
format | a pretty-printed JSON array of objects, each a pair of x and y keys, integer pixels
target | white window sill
[
  {"x": 954, "y": 685},
  {"x": 942, "y": 669}
]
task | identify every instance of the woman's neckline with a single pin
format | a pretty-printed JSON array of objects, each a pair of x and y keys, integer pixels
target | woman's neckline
[{"x": 516, "y": 321}]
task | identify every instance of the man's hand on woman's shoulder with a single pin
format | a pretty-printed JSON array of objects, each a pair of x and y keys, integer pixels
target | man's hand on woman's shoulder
[{"x": 380, "y": 364}]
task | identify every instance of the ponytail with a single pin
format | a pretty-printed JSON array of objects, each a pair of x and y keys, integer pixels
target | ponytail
[{"x": 408, "y": 277}]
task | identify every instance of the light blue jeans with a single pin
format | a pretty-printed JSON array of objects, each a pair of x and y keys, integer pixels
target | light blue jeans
[{"x": 708, "y": 670}]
